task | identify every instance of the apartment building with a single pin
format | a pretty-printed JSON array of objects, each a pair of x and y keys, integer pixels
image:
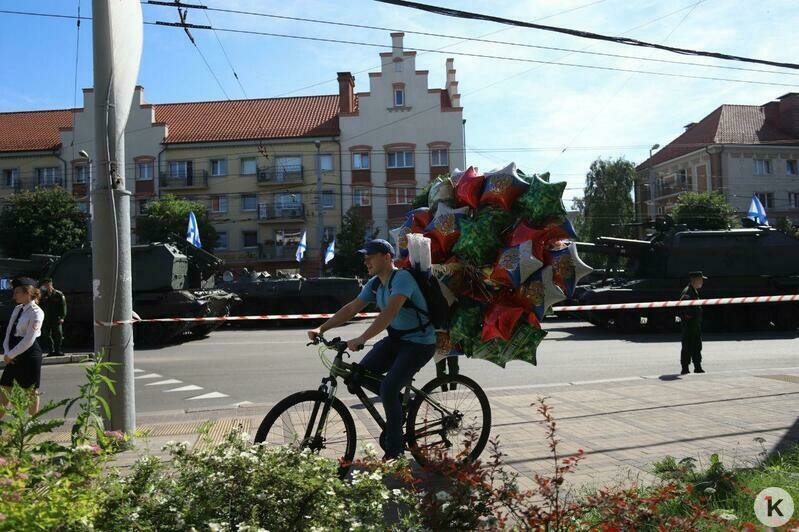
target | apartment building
[
  {"x": 397, "y": 136},
  {"x": 255, "y": 163},
  {"x": 739, "y": 150}
]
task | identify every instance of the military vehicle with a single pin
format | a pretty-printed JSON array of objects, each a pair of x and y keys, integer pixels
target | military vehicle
[
  {"x": 755, "y": 261},
  {"x": 169, "y": 280},
  {"x": 261, "y": 294}
]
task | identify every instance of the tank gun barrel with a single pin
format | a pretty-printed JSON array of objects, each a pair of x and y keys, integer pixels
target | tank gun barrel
[{"x": 624, "y": 247}]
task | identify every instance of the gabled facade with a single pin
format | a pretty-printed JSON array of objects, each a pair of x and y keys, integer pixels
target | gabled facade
[{"x": 738, "y": 150}]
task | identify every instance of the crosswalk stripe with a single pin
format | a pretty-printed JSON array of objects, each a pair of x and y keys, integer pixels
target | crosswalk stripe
[
  {"x": 210, "y": 395},
  {"x": 148, "y": 376},
  {"x": 161, "y": 383},
  {"x": 188, "y": 388}
]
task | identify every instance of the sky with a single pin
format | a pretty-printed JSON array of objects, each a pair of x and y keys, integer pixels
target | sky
[{"x": 544, "y": 117}]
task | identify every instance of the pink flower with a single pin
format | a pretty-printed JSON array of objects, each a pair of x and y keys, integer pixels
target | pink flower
[
  {"x": 114, "y": 434},
  {"x": 3, "y": 461}
]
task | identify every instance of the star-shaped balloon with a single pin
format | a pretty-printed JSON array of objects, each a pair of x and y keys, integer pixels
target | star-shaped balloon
[
  {"x": 445, "y": 228},
  {"x": 542, "y": 200},
  {"x": 415, "y": 222},
  {"x": 521, "y": 346},
  {"x": 456, "y": 175},
  {"x": 441, "y": 190},
  {"x": 478, "y": 242},
  {"x": 563, "y": 271},
  {"x": 540, "y": 291},
  {"x": 542, "y": 238},
  {"x": 465, "y": 325},
  {"x": 516, "y": 264},
  {"x": 469, "y": 188},
  {"x": 581, "y": 269},
  {"x": 502, "y": 187},
  {"x": 499, "y": 321}
]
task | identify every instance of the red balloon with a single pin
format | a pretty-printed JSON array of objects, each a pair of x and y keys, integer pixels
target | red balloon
[
  {"x": 469, "y": 188},
  {"x": 499, "y": 321},
  {"x": 420, "y": 220},
  {"x": 542, "y": 238}
]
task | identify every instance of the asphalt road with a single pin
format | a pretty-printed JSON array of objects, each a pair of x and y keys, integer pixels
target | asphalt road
[{"x": 262, "y": 366}]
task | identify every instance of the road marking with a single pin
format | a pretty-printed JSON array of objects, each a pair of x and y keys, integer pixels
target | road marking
[
  {"x": 148, "y": 376},
  {"x": 160, "y": 383},
  {"x": 210, "y": 395},
  {"x": 190, "y": 387},
  {"x": 138, "y": 371}
]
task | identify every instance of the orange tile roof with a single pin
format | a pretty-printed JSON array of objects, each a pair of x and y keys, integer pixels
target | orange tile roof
[
  {"x": 32, "y": 130},
  {"x": 250, "y": 119}
]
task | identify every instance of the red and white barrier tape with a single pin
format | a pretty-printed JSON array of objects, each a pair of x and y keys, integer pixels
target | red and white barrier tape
[
  {"x": 613, "y": 306},
  {"x": 687, "y": 303}
]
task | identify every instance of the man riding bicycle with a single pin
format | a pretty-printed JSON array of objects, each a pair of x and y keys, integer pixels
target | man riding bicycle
[{"x": 411, "y": 340}]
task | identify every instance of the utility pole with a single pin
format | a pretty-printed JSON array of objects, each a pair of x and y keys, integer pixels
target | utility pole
[
  {"x": 320, "y": 220},
  {"x": 117, "y": 44}
]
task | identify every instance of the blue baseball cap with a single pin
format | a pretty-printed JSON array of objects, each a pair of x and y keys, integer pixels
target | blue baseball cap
[{"x": 375, "y": 246}]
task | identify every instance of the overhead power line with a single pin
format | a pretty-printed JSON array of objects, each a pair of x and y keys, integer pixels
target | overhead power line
[
  {"x": 457, "y": 13},
  {"x": 465, "y": 38}
]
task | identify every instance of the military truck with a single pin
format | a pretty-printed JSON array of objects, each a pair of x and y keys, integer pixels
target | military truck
[
  {"x": 755, "y": 261},
  {"x": 169, "y": 280}
]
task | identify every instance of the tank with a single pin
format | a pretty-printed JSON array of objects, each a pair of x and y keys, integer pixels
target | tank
[
  {"x": 169, "y": 280},
  {"x": 263, "y": 294},
  {"x": 756, "y": 261}
]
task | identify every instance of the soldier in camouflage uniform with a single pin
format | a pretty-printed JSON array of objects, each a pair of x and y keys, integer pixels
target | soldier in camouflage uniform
[
  {"x": 54, "y": 305},
  {"x": 691, "y": 322}
]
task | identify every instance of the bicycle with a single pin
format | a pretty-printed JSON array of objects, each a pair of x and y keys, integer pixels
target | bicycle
[{"x": 447, "y": 417}]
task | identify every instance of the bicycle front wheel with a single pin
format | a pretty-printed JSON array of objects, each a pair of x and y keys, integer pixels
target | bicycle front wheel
[
  {"x": 304, "y": 421},
  {"x": 451, "y": 419}
]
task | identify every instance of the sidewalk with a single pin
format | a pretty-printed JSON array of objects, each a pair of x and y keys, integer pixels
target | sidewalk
[{"x": 623, "y": 425}]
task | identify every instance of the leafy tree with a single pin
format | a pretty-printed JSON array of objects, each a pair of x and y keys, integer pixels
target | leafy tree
[
  {"x": 703, "y": 210},
  {"x": 168, "y": 217},
  {"x": 785, "y": 225},
  {"x": 607, "y": 201},
  {"x": 355, "y": 230},
  {"x": 41, "y": 221}
]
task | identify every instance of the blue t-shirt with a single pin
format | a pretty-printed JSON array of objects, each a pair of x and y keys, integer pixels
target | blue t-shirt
[{"x": 403, "y": 284}]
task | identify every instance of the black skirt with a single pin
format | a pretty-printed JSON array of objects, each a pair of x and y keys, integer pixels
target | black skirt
[{"x": 25, "y": 369}]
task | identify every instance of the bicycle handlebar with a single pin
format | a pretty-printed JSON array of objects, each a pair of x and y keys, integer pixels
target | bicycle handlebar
[{"x": 336, "y": 343}]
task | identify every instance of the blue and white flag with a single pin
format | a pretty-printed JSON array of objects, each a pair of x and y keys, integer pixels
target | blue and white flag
[
  {"x": 756, "y": 211},
  {"x": 193, "y": 232},
  {"x": 331, "y": 251},
  {"x": 301, "y": 247}
]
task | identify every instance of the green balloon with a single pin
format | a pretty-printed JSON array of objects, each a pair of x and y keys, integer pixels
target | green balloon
[{"x": 542, "y": 200}]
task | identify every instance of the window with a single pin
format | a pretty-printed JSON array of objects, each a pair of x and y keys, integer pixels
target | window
[
  {"x": 47, "y": 176},
  {"x": 327, "y": 199},
  {"x": 360, "y": 161},
  {"x": 682, "y": 177},
  {"x": 221, "y": 242},
  {"x": 402, "y": 196},
  {"x": 218, "y": 167},
  {"x": 329, "y": 233},
  {"x": 399, "y": 97},
  {"x": 142, "y": 206},
  {"x": 326, "y": 162},
  {"x": 218, "y": 203},
  {"x": 248, "y": 166},
  {"x": 361, "y": 197},
  {"x": 793, "y": 200},
  {"x": 80, "y": 173},
  {"x": 791, "y": 167},
  {"x": 439, "y": 157},
  {"x": 145, "y": 170},
  {"x": 287, "y": 200},
  {"x": 179, "y": 169},
  {"x": 400, "y": 159},
  {"x": 249, "y": 239},
  {"x": 762, "y": 167},
  {"x": 10, "y": 177},
  {"x": 249, "y": 202},
  {"x": 766, "y": 198},
  {"x": 286, "y": 238},
  {"x": 288, "y": 166}
]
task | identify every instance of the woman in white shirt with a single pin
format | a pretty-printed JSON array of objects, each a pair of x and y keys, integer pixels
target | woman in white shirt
[{"x": 22, "y": 354}]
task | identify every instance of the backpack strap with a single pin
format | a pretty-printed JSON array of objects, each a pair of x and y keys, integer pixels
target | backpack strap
[{"x": 413, "y": 306}]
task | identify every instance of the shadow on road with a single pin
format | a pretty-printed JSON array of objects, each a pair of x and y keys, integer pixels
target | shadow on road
[{"x": 587, "y": 332}]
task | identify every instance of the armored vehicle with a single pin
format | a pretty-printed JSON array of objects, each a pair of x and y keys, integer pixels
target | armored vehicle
[
  {"x": 169, "y": 280},
  {"x": 756, "y": 261},
  {"x": 263, "y": 294}
]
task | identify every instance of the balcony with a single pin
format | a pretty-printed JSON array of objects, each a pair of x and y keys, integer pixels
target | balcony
[
  {"x": 195, "y": 179},
  {"x": 277, "y": 252},
  {"x": 49, "y": 183},
  {"x": 278, "y": 175},
  {"x": 279, "y": 213}
]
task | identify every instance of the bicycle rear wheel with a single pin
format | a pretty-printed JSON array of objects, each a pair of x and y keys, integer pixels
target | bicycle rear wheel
[
  {"x": 451, "y": 419},
  {"x": 295, "y": 421}
]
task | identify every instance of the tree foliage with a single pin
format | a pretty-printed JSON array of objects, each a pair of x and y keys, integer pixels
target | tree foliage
[
  {"x": 168, "y": 217},
  {"x": 703, "y": 210},
  {"x": 607, "y": 201},
  {"x": 355, "y": 230},
  {"x": 41, "y": 221}
]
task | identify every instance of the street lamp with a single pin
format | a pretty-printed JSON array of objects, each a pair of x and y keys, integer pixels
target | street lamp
[
  {"x": 319, "y": 207},
  {"x": 654, "y": 147}
]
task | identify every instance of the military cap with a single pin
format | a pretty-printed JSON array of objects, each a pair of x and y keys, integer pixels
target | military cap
[{"x": 697, "y": 274}]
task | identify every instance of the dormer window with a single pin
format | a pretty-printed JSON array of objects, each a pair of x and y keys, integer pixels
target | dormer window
[{"x": 399, "y": 95}]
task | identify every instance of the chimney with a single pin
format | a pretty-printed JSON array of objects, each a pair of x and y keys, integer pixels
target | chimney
[
  {"x": 772, "y": 112},
  {"x": 789, "y": 113},
  {"x": 346, "y": 92},
  {"x": 396, "y": 44},
  {"x": 689, "y": 125}
]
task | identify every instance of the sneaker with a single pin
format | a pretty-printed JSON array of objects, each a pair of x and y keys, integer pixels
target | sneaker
[
  {"x": 698, "y": 369},
  {"x": 685, "y": 371}
]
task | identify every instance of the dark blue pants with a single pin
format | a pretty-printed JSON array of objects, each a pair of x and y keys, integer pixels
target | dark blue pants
[{"x": 400, "y": 361}]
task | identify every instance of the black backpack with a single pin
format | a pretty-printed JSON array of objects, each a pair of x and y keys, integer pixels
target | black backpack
[{"x": 437, "y": 306}]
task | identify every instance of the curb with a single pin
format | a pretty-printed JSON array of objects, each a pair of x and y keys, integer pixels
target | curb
[{"x": 66, "y": 359}]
